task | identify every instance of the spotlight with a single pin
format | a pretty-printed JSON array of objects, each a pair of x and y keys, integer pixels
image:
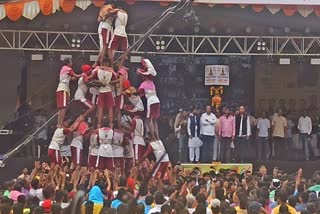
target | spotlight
[
  {"x": 228, "y": 30},
  {"x": 261, "y": 45},
  {"x": 287, "y": 30},
  {"x": 171, "y": 30},
  {"x": 213, "y": 30},
  {"x": 307, "y": 30},
  {"x": 75, "y": 42},
  {"x": 248, "y": 30},
  {"x": 66, "y": 26},
  {"x": 271, "y": 30},
  {"x": 196, "y": 29},
  {"x": 160, "y": 45}
]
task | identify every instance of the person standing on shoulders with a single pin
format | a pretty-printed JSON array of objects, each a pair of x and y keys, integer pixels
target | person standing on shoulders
[
  {"x": 194, "y": 142},
  {"x": 305, "y": 128},
  {"x": 207, "y": 130},
  {"x": 226, "y": 135},
  {"x": 243, "y": 132},
  {"x": 279, "y": 133},
  {"x": 263, "y": 127}
]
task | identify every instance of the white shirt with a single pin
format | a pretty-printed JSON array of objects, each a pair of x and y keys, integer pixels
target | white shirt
[
  {"x": 248, "y": 127},
  {"x": 121, "y": 23},
  {"x": 263, "y": 126},
  {"x": 37, "y": 193},
  {"x": 81, "y": 91},
  {"x": 156, "y": 209},
  {"x": 138, "y": 132},
  {"x": 207, "y": 124},
  {"x": 57, "y": 139},
  {"x": 305, "y": 125},
  {"x": 105, "y": 77},
  {"x": 77, "y": 140},
  {"x": 117, "y": 141},
  {"x": 94, "y": 146}
]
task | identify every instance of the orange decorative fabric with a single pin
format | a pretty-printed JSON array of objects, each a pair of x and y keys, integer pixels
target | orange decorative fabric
[
  {"x": 289, "y": 10},
  {"x": 67, "y": 5},
  {"x": 14, "y": 10},
  {"x": 46, "y": 7},
  {"x": 258, "y": 7},
  {"x": 98, "y": 3},
  {"x": 130, "y": 2},
  {"x": 316, "y": 10}
]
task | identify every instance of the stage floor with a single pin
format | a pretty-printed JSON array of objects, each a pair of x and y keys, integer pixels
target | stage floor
[{"x": 14, "y": 167}]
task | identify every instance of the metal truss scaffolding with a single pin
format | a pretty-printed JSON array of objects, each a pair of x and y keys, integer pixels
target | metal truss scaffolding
[{"x": 163, "y": 44}]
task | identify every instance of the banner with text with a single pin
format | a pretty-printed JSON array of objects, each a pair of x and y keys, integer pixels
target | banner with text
[{"x": 217, "y": 75}]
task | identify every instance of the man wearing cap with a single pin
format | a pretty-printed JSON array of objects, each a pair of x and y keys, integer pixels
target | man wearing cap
[
  {"x": 63, "y": 90},
  {"x": 148, "y": 89},
  {"x": 80, "y": 95}
]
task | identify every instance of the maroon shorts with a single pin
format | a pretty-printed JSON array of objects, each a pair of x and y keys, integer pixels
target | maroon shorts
[
  {"x": 161, "y": 170},
  {"x": 118, "y": 162},
  {"x": 118, "y": 43},
  {"x": 93, "y": 98},
  {"x": 105, "y": 163},
  {"x": 86, "y": 104},
  {"x": 106, "y": 36},
  {"x": 105, "y": 100},
  {"x": 119, "y": 100},
  {"x": 139, "y": 150},
  {"x": 76, "y": 155},
  {"x": 62, "y": 99},
  {"x": 154, "y": 111},
  {"x": 92, "y": 161},
  {"x": 54, "y": 156}
]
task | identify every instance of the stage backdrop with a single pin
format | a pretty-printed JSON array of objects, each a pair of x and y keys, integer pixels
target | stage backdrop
[{"x": 292, "y": 87}]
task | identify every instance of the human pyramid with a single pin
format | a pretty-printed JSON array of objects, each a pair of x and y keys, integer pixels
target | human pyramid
[{"x": 130, "y": 132}]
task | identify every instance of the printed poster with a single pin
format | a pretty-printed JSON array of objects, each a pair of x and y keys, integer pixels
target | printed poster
[{"x": 217, "y": 75}]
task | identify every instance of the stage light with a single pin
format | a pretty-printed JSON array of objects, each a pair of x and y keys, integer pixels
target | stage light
[
  {"x": 66, "y": 26},
  {"x": 248, "y": 30},
  {"x": 261, "y": 45},
  {"x": 213, "y": 30},
  {"x": 228, "y": 30},
  {"x": 287, "y": 30},
  {"x": 307, "y": 30},
  {"x": 271, "y": 30},
  {"x": 75, "y": 42},
  {"x": 196, "y": 29},
  {"x": 160, "y": 45}
]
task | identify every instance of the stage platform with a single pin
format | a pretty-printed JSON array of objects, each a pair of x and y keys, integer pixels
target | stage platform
[{"x": 14, "y": 167}]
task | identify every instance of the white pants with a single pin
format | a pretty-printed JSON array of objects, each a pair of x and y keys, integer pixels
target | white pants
[
  {"x": 216, "y": 149},
  {"x": 194, "y": 152}
]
